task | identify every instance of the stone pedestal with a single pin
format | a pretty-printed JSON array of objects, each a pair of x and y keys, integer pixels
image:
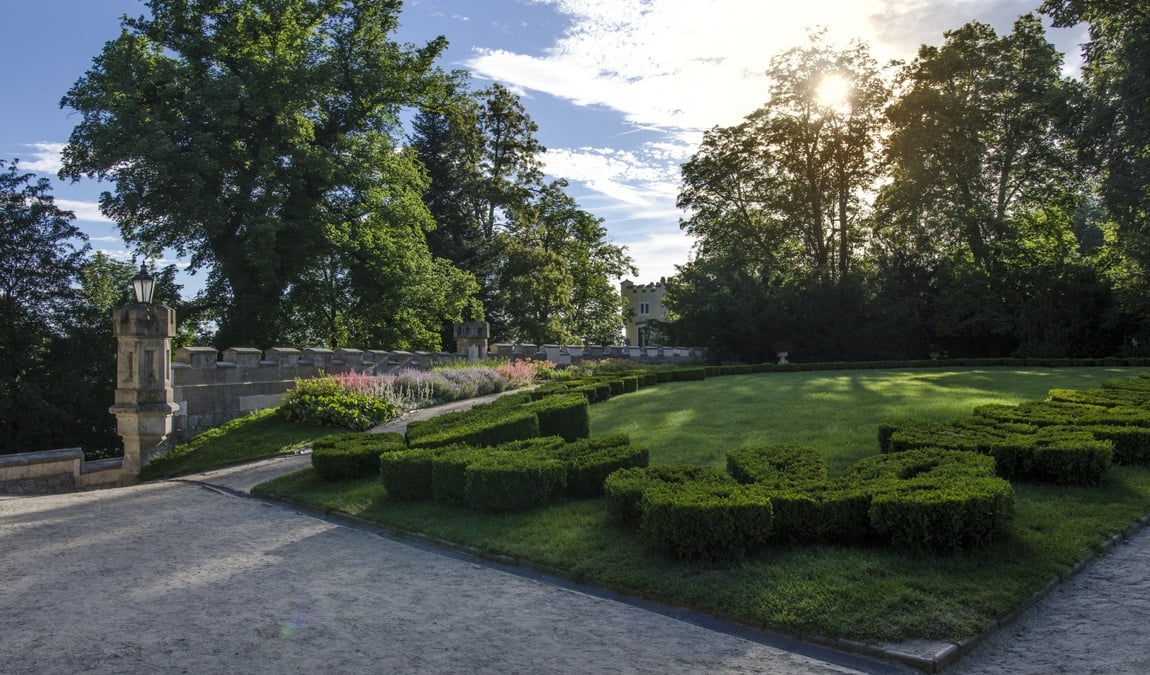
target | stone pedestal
[
  {"x": 144, "y": 404},
  {"x": 471, "y": 339}
]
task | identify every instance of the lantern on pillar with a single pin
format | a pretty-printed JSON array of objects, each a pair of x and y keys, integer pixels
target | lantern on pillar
[
  {"x": 144, "y": 285},
  {"x": 144, "y": 406}
]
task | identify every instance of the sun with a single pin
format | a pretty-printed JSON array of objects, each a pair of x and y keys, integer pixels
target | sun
[{"x": 833, "y": 91}]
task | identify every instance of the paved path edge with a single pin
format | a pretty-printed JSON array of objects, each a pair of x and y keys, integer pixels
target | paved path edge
[
  {"x": 930, "y": 656},
  {"x": 935, "y": 657},
  {"x": 838, "y": 652}
]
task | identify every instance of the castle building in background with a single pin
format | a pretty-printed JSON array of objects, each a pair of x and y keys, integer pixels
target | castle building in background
[{"x": 643, "y": 304}]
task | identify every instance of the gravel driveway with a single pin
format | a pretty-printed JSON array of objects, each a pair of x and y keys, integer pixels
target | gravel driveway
[{"x": 173, "y": 577}]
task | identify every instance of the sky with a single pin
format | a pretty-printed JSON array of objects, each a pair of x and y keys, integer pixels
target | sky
[{"x": 622, "y": 90}]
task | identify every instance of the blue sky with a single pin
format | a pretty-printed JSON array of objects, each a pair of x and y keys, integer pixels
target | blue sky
[{"x": 622, "y": 90}]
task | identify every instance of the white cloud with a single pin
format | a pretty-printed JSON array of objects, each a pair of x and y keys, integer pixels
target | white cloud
[
  {"x": 45, "y": 157},
  {"x": 673, "y": 64},
  {"x": 155, "y": 263},
  {"x": 86, "y": 211},
  {"x": 631, "y": 178},
  {"x": 657, "y": 253}
]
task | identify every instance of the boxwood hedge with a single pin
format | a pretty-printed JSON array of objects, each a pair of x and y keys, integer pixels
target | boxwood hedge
[
  {"x": 706, "y": 520},
  {"x": 351, "y": 456}
]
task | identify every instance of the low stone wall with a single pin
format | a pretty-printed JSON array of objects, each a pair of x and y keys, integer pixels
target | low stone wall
[
  {"x": 213, "y": 387},
  {"x": 52, "y": 471},
  {"x": 566, "y": 355}
]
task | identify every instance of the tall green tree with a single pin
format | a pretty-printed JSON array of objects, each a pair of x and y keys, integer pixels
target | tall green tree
[
  {"x": 242, "y": 132},
  {"x": 483, "y": 160},
  {"x": 980, "y": 138},
  {"x": 557, "y": 267},
  {"x": 984, "y": 189},
  {"x": 41, "y": 252},
  {"x": 779, "y": 207},
  {"x": 787, "y": 187},
  {"x": 544, "y": 266},
  {"x": 378, "y": 283},
  {"x": 1115, "y": 138}
]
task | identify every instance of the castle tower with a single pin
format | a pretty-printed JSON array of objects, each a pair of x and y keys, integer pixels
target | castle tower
[{"x": 643, "y": 304}]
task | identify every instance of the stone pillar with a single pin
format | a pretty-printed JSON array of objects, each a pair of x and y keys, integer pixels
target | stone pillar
[
  {"x": 471, "y": 339},
  {"x": 144, "y": 404}
]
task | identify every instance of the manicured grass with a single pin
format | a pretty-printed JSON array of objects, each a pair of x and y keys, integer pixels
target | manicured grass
[
  {"x": 874, "y": 593},
  {"x": 835, "y": 411},
  {"x": 256, "y": 436}
]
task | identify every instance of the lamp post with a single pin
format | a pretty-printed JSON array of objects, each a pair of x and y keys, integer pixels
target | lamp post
[
  {"x": 143, "y": 285},
  {"x": 144, "y": 398}
]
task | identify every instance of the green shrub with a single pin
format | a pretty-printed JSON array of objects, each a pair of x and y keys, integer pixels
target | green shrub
[
  {"x": 323, "y": 401},
  {"x": 844, "y": 514},
  {"x": 1074, "y": 458},
  {"x": 648, "y": 380},
  {"x": 480, "y": 426},
  {"x": 821, "y": 512},
  {"x": 1108, "y": 398},
  {"x": 688, "y": 374},
  {"x": 889, "y": 425},
  {"x": 796, "y": 513},
  {"x": 624, "y": 488},
  {"x": 706, "y": 520},
  {"x": 1021, "y": 452},
  {"x": 590, "y": 461},
  {"x": 1024, "y": 414},
  {"x": 617, "y": 386},
  {"x": 513, "y": 481},
  {"x": 934, "y": 500},
  {"x": 944, "y": 518},
  {"x": 449, "y": 471},
  {"x": 449, "y": 467},
  {"x": 566, "y": 415},
  {"x": 358, "y": 439},
  {"x": 351, "y": 456},
  {"x": 588, "y": 391},
  {"x": 883, "y": 471},
  {"x": 407, "y": 475},
  {"x": 1131, "y": 444},
  {"x": 778, "y": 465},
  {"x": 545, "y": 390}
]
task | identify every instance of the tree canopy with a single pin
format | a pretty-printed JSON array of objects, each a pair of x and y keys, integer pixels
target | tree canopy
[
  {"x": 253, "y": 136},
  {"x": 543, "y": 264},
  {"x": 939, "y": 206}
]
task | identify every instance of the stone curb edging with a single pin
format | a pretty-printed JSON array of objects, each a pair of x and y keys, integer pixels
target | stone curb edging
[{"x": 953, "y": 652}]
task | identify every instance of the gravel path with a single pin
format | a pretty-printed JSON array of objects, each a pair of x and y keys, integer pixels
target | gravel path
[{"x": 174, "y": 577}]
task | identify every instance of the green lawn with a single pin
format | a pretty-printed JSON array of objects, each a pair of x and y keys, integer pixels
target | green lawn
[
  {"x": 866, "y": 593},
  {"x": 835, "y": 411},
  {"x": 255, "y": 436}
]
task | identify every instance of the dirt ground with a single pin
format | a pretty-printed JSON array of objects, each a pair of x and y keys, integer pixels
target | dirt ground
[{"x": 187, "y": 577}]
